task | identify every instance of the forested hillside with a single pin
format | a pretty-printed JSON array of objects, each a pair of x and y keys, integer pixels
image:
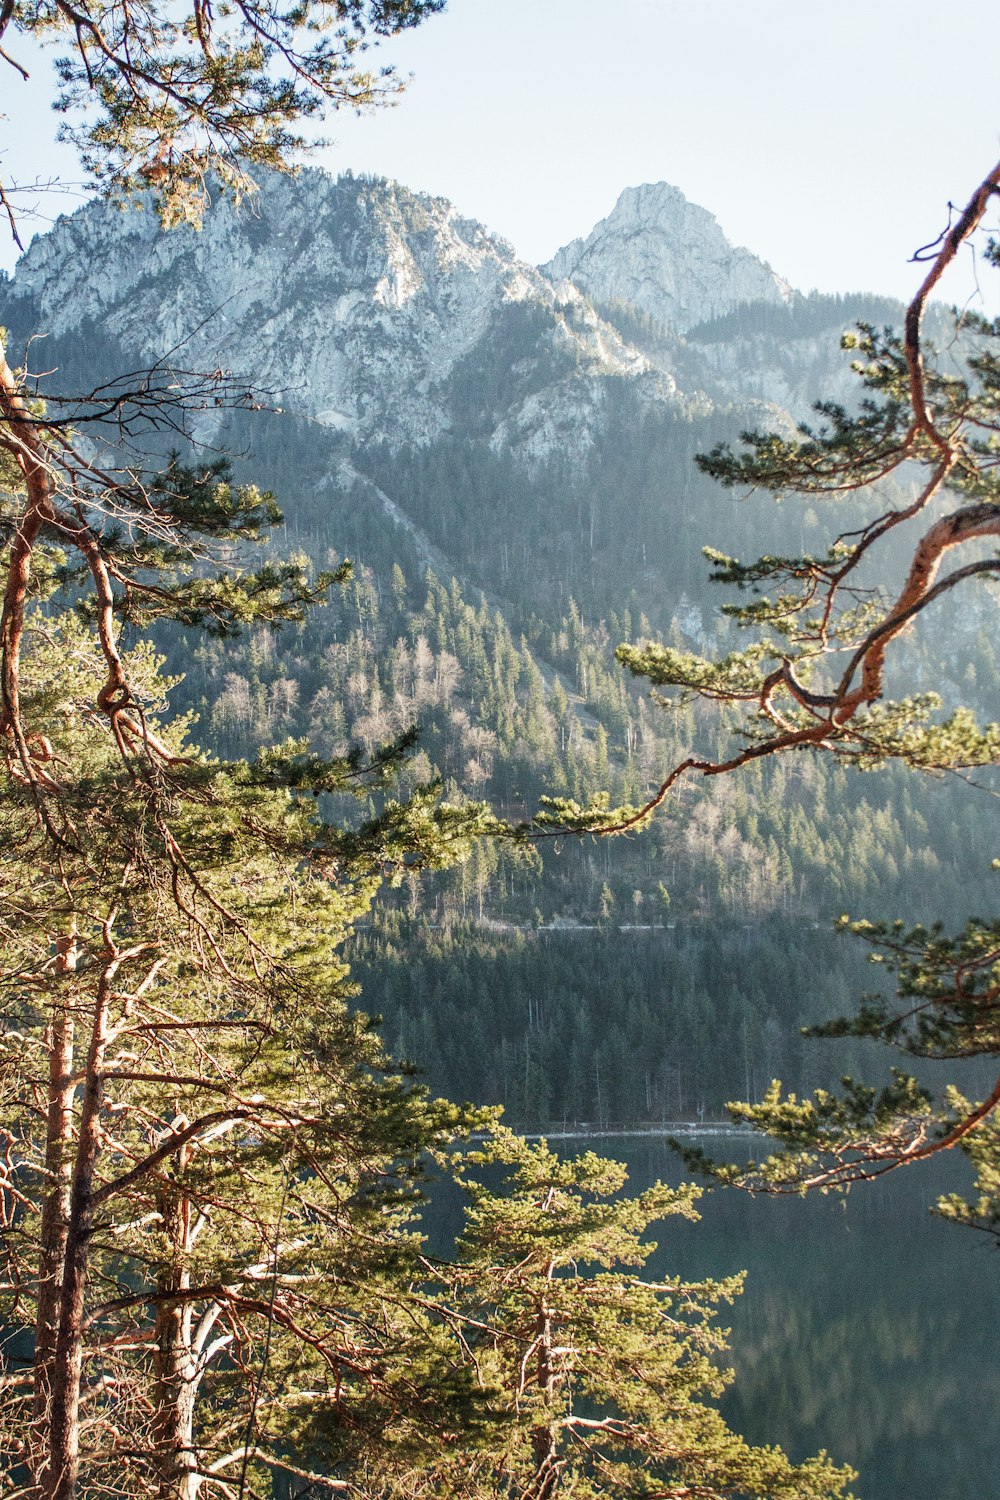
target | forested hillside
[{"x": 546, "y": 506}]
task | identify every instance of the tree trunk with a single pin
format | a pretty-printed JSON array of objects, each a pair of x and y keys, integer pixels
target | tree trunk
[
  {"x": 59, "y": 1479},
  {"x": 176, "y": 1360},
  {"x": 543, "y": 1439},
  {"x": 20, "y": 437},
  {"x": 55, "y": 1215}
]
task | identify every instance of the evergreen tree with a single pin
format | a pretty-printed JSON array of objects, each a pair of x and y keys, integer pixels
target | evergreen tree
[
  {"x": 816, "y": 678},
  {"x": 600, "y": 1377},
  {"x": 205, "y": 1195},
  {"x": 202, "y": 1143},
  {"x": 172, "y": 98}
]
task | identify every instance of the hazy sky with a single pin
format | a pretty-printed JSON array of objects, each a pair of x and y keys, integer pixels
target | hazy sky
[{"x": 827, "y": 138}]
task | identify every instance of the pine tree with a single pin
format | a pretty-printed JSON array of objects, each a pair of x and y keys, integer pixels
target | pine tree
[
  {"x": 601, "y": 1382},
  {"x": 815, "y": 679},
  {"x": 201, "y": 1142},
  {"x": 174, "y": 98},
  {"x": 205, "y": 1192}
]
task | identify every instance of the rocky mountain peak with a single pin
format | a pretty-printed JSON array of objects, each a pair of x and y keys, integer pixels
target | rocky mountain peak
[
  {"x": 666, "y": 257},
  {"x": 354, "y": 302}
]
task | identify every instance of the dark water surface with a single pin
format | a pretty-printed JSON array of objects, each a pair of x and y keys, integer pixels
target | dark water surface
[{"x": 867, "y": 1327}]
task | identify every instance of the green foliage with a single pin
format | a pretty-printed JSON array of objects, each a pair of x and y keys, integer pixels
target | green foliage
[
  {"x": 944, "y": 1008},
  {"x": 733, "y": 677},
  {"x": 819, "y": 312},
  {"x": 254, "y": 1148},
  {"x": 982, "y": 1146},
  {"x": 516, "y": 723},
  {"x": 168, "y": 525},
  {"x": 255, "y": 1170},
  {"x": 170, "y": 97},
  {"x": 602, "y": 1380},
  {"x": 946, "y": 989},
  {"x": 600, "y": 1027}
]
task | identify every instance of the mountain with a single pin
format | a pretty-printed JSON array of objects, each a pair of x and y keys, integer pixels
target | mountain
[
  {"x": 668, "y": 258},
  {"x": 439, "y": 398},
  {"x": 719, "y": 320},
  {"x": 385, "y": 316},
  {"x": 354, "y": 303}
]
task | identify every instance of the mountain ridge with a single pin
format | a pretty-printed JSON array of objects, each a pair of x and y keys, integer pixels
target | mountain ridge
[
  {"x": 668, "y": 258},
  {"x": 396, "y": 289},
  {"x": 500, "y": 415}
]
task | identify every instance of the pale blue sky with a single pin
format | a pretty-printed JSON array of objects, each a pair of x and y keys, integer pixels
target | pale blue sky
[{"x": 827, "y": 138}]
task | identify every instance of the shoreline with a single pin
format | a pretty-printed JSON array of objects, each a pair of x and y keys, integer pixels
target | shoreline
[{"x": 584, "y": 1132}]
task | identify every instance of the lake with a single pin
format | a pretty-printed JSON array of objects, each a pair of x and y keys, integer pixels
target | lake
[{"x": 867, "y": 1327}]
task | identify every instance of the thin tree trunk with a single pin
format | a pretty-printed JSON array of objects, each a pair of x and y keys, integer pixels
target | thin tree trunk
[
  {"x": 21, "y": 438},
  {"x": 55, "y": 1214},
  {"x": 59, "y": 1480},
  {"x": 176, "y": 1359},
  {"x": 543, "y": 1439}
]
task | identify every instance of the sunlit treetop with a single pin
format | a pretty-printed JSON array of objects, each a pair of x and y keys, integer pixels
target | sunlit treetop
[{"x": 166, "y": 94}]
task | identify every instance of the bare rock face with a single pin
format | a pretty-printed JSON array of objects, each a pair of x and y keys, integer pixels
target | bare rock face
[
  {"x": 667, "y": 258},
  {"x": 533, "y": 430},
  {"x": 385, "y": 316},
  {"x": 353, "y": 301}
]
